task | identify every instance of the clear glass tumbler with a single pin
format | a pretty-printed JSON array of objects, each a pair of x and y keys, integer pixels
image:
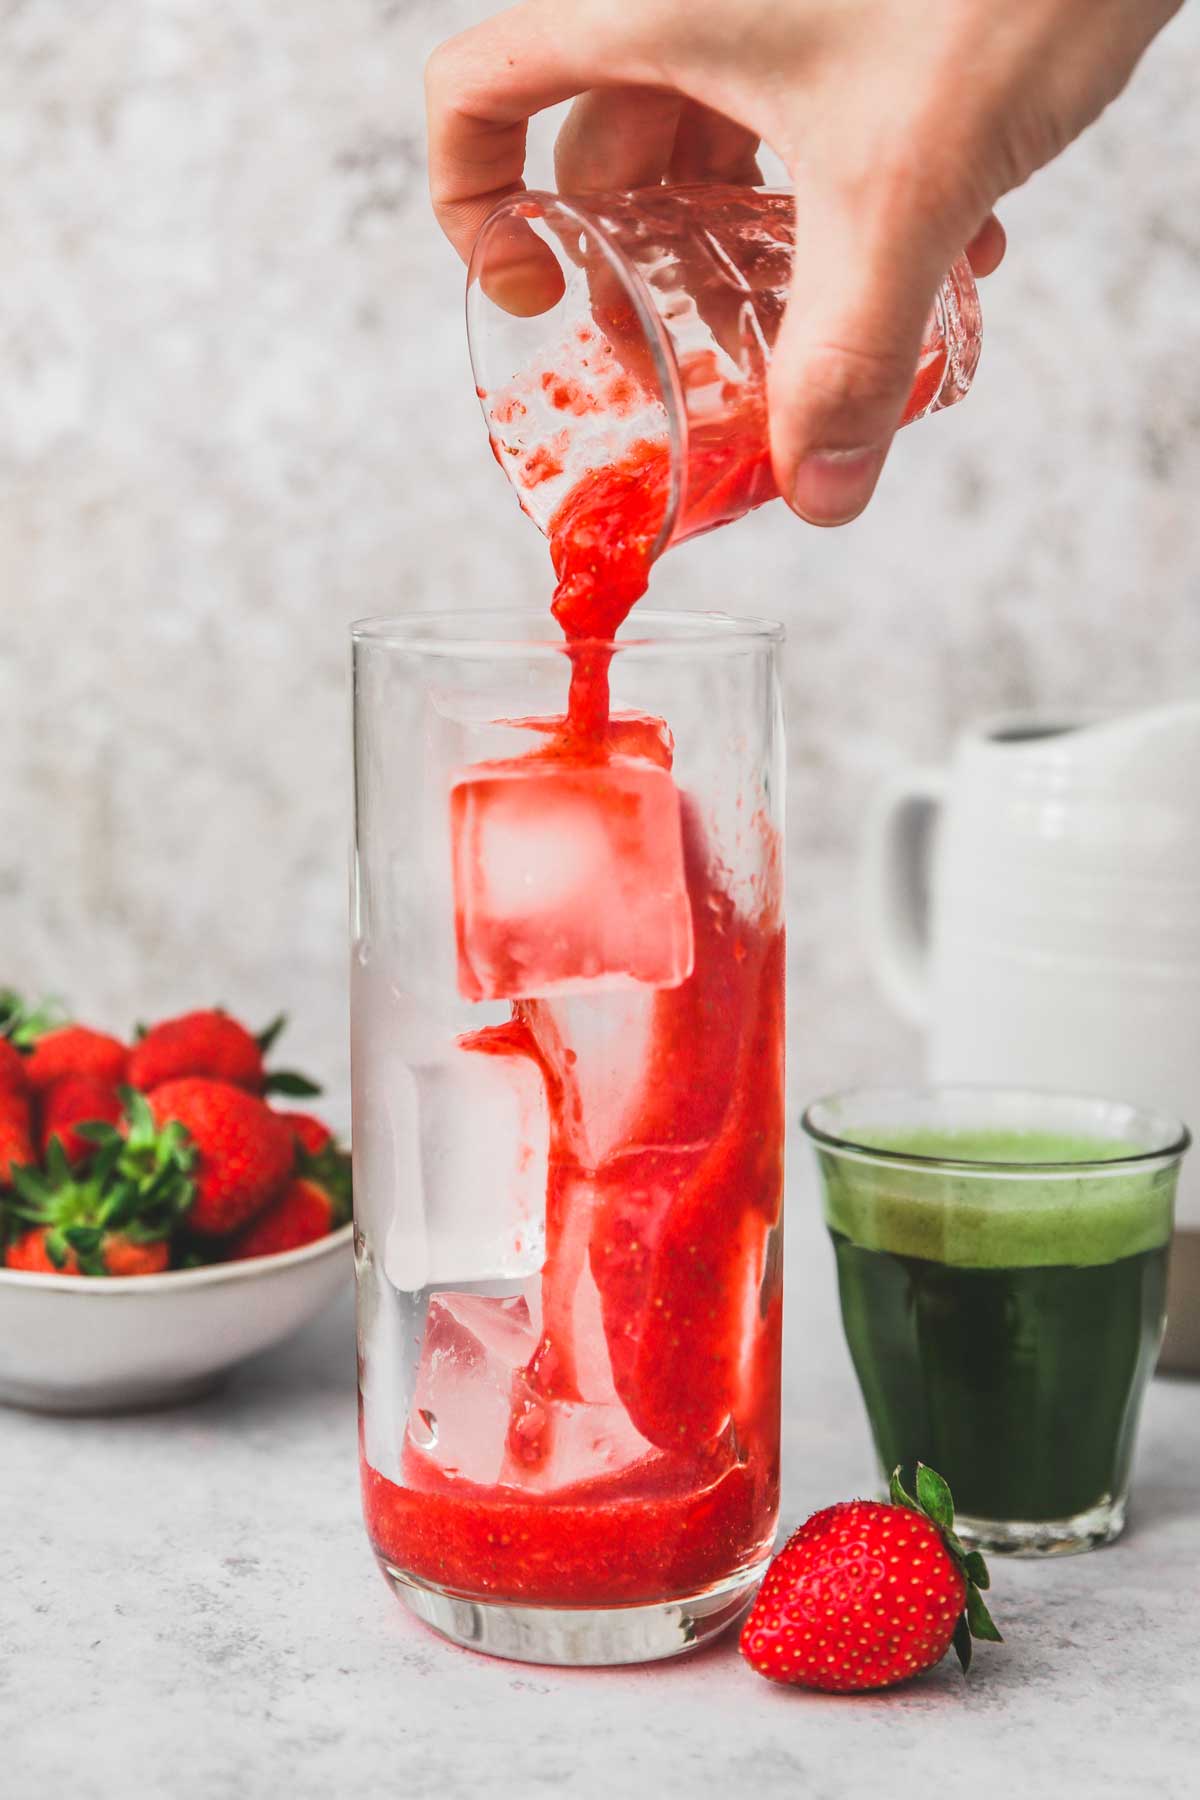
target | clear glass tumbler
[
  {"x": 568, "y": 1129},
  {"x": 606, "y": 325},
  {"x": 1002, "y": 1267}
]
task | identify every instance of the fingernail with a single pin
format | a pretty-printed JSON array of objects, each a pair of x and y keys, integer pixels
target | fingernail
[{"x": 833, "y": 486}]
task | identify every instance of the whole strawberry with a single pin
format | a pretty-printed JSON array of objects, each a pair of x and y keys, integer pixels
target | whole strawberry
[
  {"x": 115, "y": 1220},
  {"x": 244, "y": 1151},
  {"x": 209, "y": 1043},
  {"x": 74, "y": 1101},
  {"x": 74, "y": 1050},
  {"x": 866, "y": 1594},
  {"x": 311, "y": 1134},
  {"x": 304, "y": 1212}
]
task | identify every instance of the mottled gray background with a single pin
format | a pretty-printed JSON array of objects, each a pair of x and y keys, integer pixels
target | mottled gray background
[{"x": 235, "y": 413}]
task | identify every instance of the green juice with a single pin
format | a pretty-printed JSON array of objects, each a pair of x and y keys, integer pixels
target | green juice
[{"x": 1003, "y": 1327}]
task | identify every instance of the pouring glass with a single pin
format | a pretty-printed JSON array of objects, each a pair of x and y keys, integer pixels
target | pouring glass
[{"x": 618, "y": 321}]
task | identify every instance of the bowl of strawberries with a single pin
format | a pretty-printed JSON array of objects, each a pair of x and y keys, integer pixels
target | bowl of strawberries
[{"x": 165, "y": 1210}]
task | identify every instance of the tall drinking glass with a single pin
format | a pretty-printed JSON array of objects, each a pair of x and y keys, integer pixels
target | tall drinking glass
[{"x": 568, "y": 1129}]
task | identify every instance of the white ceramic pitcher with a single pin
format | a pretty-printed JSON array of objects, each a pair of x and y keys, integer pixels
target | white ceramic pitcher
[{"x": 1036, "y": 907}]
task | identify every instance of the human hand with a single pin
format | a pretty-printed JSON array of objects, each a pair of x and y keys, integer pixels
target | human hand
[{"x": 901, "y": 123}]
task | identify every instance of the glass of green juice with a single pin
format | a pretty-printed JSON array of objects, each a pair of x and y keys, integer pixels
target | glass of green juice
[{"x": 1002, "y": 1268}]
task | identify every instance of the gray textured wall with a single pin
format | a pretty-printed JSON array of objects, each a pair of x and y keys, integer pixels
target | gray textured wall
[{"x": 235, "y": 413}]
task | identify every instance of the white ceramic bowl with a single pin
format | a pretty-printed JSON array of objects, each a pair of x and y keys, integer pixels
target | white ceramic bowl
[{"x": 113, "y": 1344}]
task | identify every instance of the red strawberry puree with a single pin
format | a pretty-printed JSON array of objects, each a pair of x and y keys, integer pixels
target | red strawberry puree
[{"x": 672, "y": 1224}]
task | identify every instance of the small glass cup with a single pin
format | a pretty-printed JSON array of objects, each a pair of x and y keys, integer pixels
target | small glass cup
[
  {"x": 609, "y": 320},
  {"x": 567, "y": 1030},
  {"x": 1002, "y": 1266}
]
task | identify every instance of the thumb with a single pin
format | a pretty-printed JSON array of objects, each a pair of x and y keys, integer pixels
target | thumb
[{"x": 846, "y": 355}]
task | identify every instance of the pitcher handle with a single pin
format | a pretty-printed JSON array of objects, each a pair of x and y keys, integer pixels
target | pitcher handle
[{"x": 895, "y": 887}]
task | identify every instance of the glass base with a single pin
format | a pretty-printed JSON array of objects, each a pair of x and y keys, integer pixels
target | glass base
[
  {"x": 579, "y": 1637},
  {"x": 1044, "y": 1537}
]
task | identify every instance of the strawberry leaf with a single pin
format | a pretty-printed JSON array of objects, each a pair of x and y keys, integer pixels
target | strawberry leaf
[
  {"x": 935, "y": 1497},
  {"x": 58, "y": 1169},
  {"x": 962, "y": 1644},
  {"x": 12, "y": 1008},
  {"x": 899, "y": 1495},
  {"x": 979, "y": 1619},
  {"x": 976, "y": 1569},
  {"x": 119, "y": 1208},
  {"x": 267, "y": 1036},
  {"x": 95, "y": 1131},
  {"x": 24, "y": 1025},
  {"x": 105, "y": 1162},
  {"x": 32, "y": 1188},
  {"x": 138, "y": 1113},
  {"x": 84, "y": 1238},
  {"x": 288, "y": 1081}
]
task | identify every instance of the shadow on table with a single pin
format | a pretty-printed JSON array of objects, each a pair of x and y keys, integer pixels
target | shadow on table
[
  {"x": 1166, "y": 1472},
  {"x": 1155, "y": 1504}
]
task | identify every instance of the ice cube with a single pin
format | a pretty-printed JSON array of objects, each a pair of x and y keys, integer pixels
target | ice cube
[
  {"x": 482, "y": 1144},
  {"x": 598, "y": 1043},
  {"x": 568, "y": 878},
  {"x": 395, "y": 1035},
  {"x": 474, "y": 1353},
  {"x": 411, "y": 886}
]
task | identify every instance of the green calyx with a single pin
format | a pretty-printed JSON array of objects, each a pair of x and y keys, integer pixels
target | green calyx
[
  {"x": 283, "y": 1081},
  {"x": 139, "y": 1183},
  {"x": 23, "y": 1024},
  {"x": 935, "y": 1502}
]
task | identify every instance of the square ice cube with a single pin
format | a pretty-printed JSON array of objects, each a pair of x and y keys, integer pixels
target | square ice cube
[
  {"x": 568, "y": 878},
  {"x": 483, "y": 1133},
  {"x": 473, "y": 1354}
]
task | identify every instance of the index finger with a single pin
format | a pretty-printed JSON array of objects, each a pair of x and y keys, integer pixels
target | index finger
[{"x": 484, "y": 86}]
